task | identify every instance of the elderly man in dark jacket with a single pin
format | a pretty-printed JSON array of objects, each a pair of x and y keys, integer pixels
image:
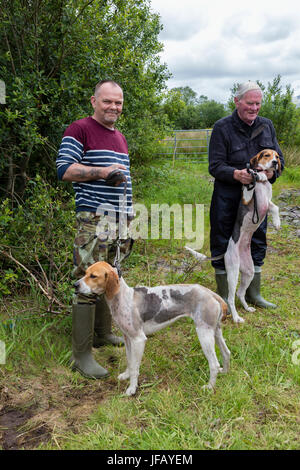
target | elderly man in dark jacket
[{"x": 234, "y": 141}]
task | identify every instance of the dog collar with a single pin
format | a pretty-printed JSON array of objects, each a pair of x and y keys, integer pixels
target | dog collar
[{"x": 117, "y": 266}]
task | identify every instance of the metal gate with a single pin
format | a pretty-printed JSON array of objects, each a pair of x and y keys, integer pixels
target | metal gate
[{"x": 189, "y": 145}]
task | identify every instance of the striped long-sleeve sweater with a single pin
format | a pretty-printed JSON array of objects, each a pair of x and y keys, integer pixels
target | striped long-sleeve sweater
[{"x": 89, "y": 143}]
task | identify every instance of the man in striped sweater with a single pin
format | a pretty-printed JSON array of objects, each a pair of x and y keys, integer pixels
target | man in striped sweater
[{"x": 90, "y": 150}]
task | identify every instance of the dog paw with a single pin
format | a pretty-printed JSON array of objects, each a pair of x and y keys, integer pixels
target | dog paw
[
  {"x": 131, "y": 391},
  {"x": 208, "y": 387},
  {"x": 124, "y": 375},
  {"x": 262, "y": 177},
  {"x": 277, "y": 225},
  {"x": 251, "y": 309},
  {"x": 239, "y": 320}
]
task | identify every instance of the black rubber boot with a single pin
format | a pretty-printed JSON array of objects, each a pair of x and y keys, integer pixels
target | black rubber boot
[
  {"x": 102, "y": 331},
  {"x": 253, "y": 295},
  {"x": 222, "y": 286},
  {"x": 82, "y": 339}
]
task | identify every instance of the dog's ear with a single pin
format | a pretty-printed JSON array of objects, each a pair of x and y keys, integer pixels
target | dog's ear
[
  {"x": 254, "y": 160},
  {"x": 112, "y": 284},
  {"x": 278, "y": 163}
]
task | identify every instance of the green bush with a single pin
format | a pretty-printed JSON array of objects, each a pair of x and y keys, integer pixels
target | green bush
[
  {"x": 36, "y": 240},
  {"x": 291, "y": 156},
  {"x": 52, "y": 54}
]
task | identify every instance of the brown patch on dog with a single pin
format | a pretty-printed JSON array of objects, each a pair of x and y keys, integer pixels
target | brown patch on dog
[
  {"x": 246, "y": 202},
  {"x": 112, "y": 284},
  {"x": 263, "y": 156},
  {"x": 101, "y": 275},
  {"x": 279, "y": 163},
  {"x": 224, "y": 306}
]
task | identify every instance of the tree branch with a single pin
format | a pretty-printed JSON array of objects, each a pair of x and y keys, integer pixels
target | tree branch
[{"x": 50, "y": 297}]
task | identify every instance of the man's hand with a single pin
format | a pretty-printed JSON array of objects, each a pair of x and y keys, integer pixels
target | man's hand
[
  {"x": 243, "y": 176},
  {"x": 108, "y": 169},
  {"x": 77, "y": 172},
  {"x": 246, "y": 178}
]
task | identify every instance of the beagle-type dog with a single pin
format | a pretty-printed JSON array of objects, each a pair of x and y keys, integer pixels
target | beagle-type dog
[
  {"x": 140, "y": 311},
  {"x": 254, "y": 206}
]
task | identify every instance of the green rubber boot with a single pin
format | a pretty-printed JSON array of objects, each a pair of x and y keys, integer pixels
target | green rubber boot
[
  {"x": 102, "y": 331},
  {"x": 222, "y": 286},
  {"x": 253, "y": 295},
  {"x": 83, "y": 318}
]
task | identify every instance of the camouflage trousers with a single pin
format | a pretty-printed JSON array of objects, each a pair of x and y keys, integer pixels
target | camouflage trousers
[{"x": 96, "y": 240}]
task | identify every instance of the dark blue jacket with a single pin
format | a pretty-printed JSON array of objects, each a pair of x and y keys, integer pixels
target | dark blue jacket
[{"x": 233, "y": 143}]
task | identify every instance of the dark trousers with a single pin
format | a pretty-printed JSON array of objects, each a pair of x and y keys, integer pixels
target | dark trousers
[{"x": 223, "y": 211}]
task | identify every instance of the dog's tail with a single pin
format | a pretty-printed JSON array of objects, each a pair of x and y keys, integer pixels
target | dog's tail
[
  {"x": 202, "y": 257},
  {"x": 223, "y": 304},
  {"x": 224, "y": 307}
]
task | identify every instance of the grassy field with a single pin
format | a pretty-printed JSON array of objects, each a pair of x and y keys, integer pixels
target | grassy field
[
  {"x": 43, "y": 405},
  {"x": 183, "y": 144}
]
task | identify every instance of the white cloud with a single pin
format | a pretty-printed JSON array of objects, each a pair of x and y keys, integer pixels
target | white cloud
[{"x": 210, "y": 45}]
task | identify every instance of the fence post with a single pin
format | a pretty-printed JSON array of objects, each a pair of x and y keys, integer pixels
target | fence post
[
  {"x": 175, "y": 145},
  {"x": 207, "y": 139},
  {"x": 2, "y": 352},
  {"x": 2, "y": 92}
]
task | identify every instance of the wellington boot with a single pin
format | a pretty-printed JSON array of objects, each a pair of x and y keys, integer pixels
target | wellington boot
[
  {"x": 253, "y": 295},
  {"x": 102, "y": 332},
  {"x": 82, "y": 338},
  {"x": 222, "y": 286}
]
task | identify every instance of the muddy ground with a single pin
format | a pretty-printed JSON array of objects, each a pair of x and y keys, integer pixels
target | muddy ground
[{"x": 37, "y": 410}]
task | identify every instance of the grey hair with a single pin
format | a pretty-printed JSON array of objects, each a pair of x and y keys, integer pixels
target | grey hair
[{"x": 247, "y": 86}]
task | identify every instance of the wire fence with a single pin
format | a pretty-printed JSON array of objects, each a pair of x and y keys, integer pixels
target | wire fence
[{"x": 189, "y": 145}]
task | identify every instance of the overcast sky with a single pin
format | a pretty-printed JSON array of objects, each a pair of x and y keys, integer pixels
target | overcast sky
[{"x": 211, "y": 44}]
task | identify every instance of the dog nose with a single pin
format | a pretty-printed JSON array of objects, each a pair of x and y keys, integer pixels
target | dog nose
[
  {"x": 274, "y": 163},
  {"x": 76, "y": 285}
]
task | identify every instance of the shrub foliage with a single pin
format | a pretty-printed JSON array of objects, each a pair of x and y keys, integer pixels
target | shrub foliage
[
  {"x": 52, "y": 53},
  {"x": 36, "y": 243}
]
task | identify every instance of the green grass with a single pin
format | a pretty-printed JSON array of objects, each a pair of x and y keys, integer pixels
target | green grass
[
  {"x": 186, "y": 145},
  {"x": 254, "y": 406}
]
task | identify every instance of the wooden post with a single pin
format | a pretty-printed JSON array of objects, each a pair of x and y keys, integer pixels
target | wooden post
[{"x": 2, "y": 92}]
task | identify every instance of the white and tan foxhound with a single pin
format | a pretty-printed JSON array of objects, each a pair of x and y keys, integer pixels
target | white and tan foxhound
[
  {"x": 143, "y": 310},
  {"x": 254, "y": 206}
]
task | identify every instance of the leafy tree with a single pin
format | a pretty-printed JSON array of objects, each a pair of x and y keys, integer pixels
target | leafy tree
[
  {"x": 278, "y": 106},
  {"x": 52, "y": 53},
  {"x": 188, "y": 95},
  {"x": 195, "y": 112},
  {"x": 173, "y": 105},
  {"x": 210, "y": 111}
]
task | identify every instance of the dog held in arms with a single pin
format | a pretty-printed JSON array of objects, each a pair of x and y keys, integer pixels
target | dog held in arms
[
  {"x": 143, "y": 310},
  {"x": 254, "y": 206}
]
